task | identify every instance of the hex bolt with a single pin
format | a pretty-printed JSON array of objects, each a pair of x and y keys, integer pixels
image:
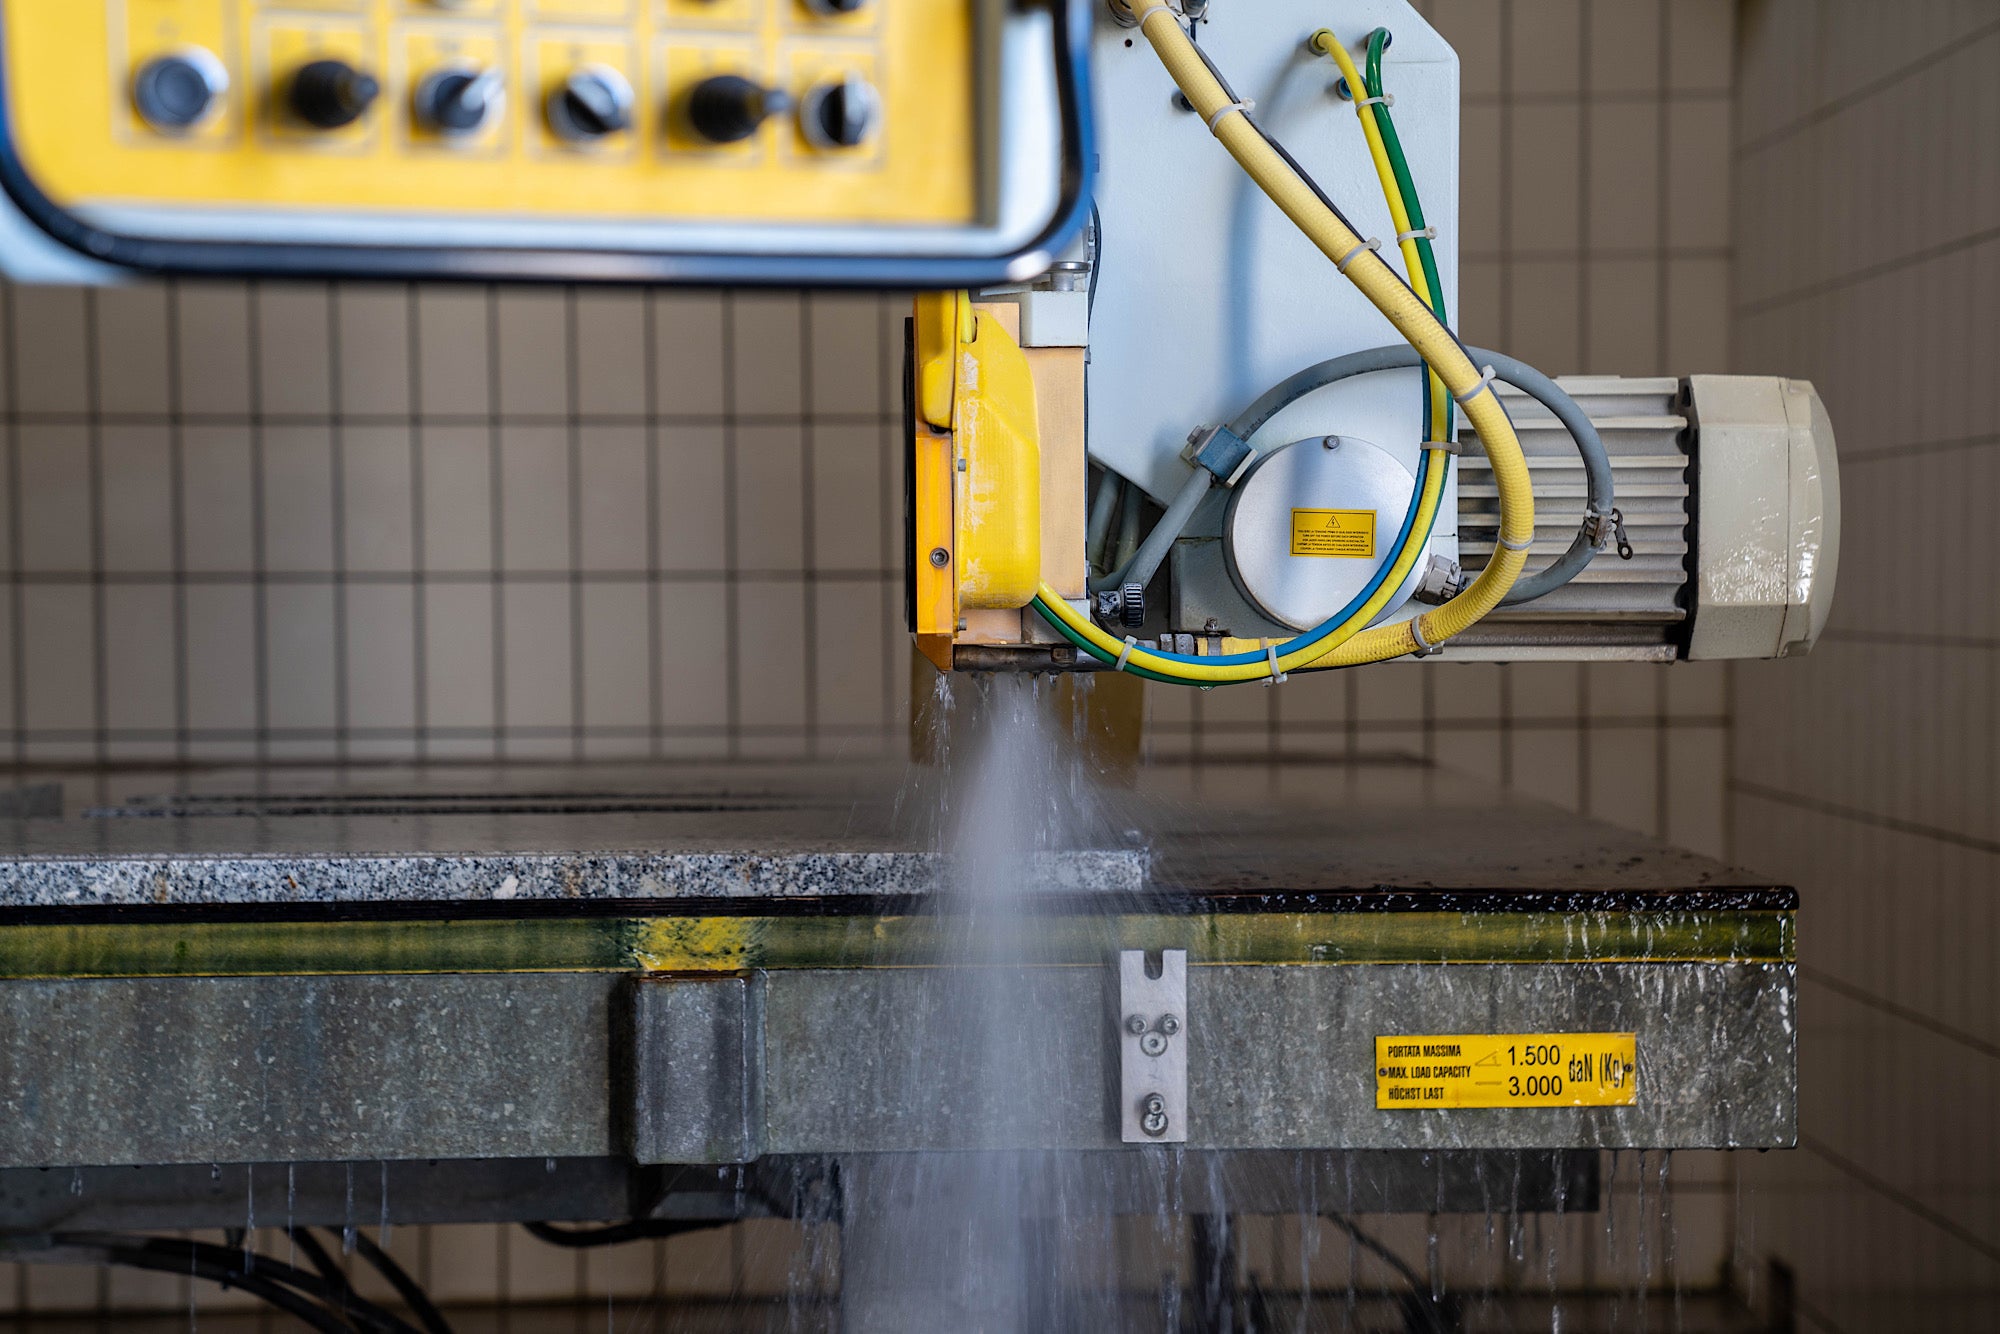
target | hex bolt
[
  {"x": 1153, "y": 1044},
  {"x": 940, "y": 557},
  {"x": 1169, "y": 1025},
  {"x": 1153, "y": 1115},
  {"x": 1154, "y": 1105},
  {"x": 1135, "y": 1024}
]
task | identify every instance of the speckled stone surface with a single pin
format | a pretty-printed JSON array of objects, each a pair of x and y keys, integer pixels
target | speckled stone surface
[
  {"x": 526, "y": 835},
  {"x": 333, "y": 878},
  {"x": 549, "y": 834}
]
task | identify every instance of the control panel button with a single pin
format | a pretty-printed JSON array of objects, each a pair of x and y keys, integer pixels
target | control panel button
[
  {"x": 179, "y": 90},
  {"x": 836, "y": 7},
  {"x": 329, "y": 94},
  {"x": 458, "y": 101},
  {"x": 594, "y": 101},
  {"x": 842, "y": 114},
  {"x": 728, "y": 108}
]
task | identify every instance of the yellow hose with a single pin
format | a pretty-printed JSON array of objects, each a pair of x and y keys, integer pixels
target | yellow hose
[{"x": 1411, "y": 318}]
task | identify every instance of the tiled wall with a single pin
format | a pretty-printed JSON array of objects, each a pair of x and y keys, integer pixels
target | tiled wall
[
  {"x": 1868, "y": 170},
  {"x": 372, "y": 522},
  {"x": 283, "y": 522}
]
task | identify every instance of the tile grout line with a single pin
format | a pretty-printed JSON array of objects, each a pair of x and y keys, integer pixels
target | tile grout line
[
  {"x": 1586, "y": 51},
  {"x": 496, "y": 459},
  {"x": 16, "y": 594},
  {"x": 420, "y": 684},
  {"x": 1856, "y": 97},
  {"x": 1855, "y": 815},
  {"x": 259, "y": 520},
  {"x": 649, "y": 315},
  {"x": 314, "y": 578},
  {"x": 731, "y": 629},
  {"x": 1663, "y": 184},
  {"x": 60, "y": 417},
  {"x": 1867, "y": 273},
  {"x": 177, "y": 510},
  {"x": 808, "y": 532},
  {"x": 1915, "y": 1018},
  {"x": 1504, "y": 322},
  {"x": 893, "y": 462},
  {"x": 93, "y": 382},
  {"x": 337, "y": 465},
  {"x": 573, "y": 514},
  {"x": 1943, "y": 1222}
]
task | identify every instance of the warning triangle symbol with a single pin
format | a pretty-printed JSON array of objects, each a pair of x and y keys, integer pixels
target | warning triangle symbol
[
  {"x": 1491, "y": 1058},
  {"x": 1333, "y": 521}
]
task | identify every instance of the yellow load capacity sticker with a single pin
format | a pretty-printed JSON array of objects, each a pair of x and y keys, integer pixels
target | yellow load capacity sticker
[
  {"x": 1506, "y": 1070},
  {"x": 1333, "y": 532}
]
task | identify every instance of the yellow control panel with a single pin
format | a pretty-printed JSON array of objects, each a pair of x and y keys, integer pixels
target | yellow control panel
[{"x": 859, "y": 112}]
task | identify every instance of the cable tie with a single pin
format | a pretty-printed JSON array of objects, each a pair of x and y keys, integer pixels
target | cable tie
[
  {"x": 1386, "y": 99},
  {"x": 1246, "y": 106},
  {"x": 1277, "y": 678},
  {"x": 1515, "y": 546},
  {"x": 1130, "y": 643},
  {"x": 1372, "y": 243},
  {"x": 1424, "y": 646},
  {"x": 1420, "y": 234},
  {"x": 1151, "y": 10},
  {"x": 1486, "y": 377},
  {"x": 1445, "y": 446}
]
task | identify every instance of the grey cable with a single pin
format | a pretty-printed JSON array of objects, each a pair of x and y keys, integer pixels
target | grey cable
[
  {"x": 1103, "y": 509},
  {"x": 1596, "y": 463},
  {"x": 1145, "y": 562},
  {"x": 1129, "y": 514}
]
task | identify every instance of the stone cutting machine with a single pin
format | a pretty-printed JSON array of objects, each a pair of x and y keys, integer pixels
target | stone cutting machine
[
  {"x": 1184, "y": 402},
  {"x": 1231, "y": 435}
]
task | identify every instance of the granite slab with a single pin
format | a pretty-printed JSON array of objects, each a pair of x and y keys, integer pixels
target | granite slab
[{"x": 542, "y": 834}]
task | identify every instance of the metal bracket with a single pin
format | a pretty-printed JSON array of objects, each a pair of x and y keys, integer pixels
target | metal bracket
[
  {"x": 696, "y": 1069},
  {"x": 1152, "y": 1048},
  {"x": 1225, "y": 454}
]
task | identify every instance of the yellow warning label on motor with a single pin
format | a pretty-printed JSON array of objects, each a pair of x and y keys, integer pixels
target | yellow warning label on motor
[
  {"x": 1333, "y": 532},
  {"x": 1507, "y": 1070}
]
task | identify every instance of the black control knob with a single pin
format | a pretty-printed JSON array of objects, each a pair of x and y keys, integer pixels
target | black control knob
[
  {"x": 458, "y": 101},
  {"x": 840, "y": 115},
  {"x": 332, "y": 93},
  {"x": 177, "y": 91},
  {"x": 592, "y": 102},
  {"x": 728, "y": 108}
]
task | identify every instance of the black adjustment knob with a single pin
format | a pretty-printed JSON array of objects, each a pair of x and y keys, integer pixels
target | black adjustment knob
[
  {"x": 840, "y": 115},
  {"x": 728, "y": 108},
  {"x": 177, "y": 91},
  {"x": 592, "y": 102},
  {"x": 458, "y": 101},
  {"x": 332, "y": 93},
  {"x": 836, "y": 6},
  {"x": 1132, "y": 606}
]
